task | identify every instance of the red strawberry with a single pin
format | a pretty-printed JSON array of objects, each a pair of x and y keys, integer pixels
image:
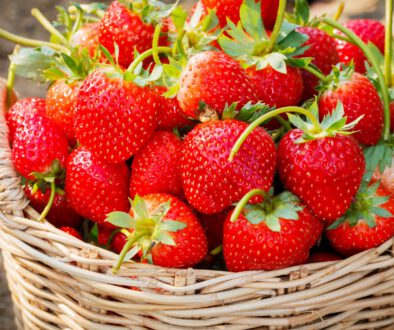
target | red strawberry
[
  {"x": 368, "y": 224},
  {"x": 230, "y": 9},
  {"x": 114, "y": 117},
  {"x": 38, "y": 144},
  {"x": 95, "y": 188},
  {"x": 169, "y": 114},
  {"x": 60, "y": 105},
  {"x": 368, "y": 30},
  {"x": 323, "y": 256},
  {"x": 211, "y": 182},
  {"x": 215, "y": 79},
  {"x": 156, "y": 168},
  {"x": 325, "y": 55},
  {"x": 118, "y": 239},
  {"x": 213, "y": 226},
  {"x": 104, "y": 235},
  {"x": 277, "y": 89},
  {"x": 21, "y": 111},
  {"x": 72, "y": 232},
  {"x": 86, "y": 38},
  {"x": 386, "y": 178},
  {"x": 118, "y": 242},
  {"x": 359, "y": 97},
  {"x": 273, "y": 235},
  {"x": 124, "y": 27},
  {"x": 61, "y": 214},
  {"x": 166, "y": 231}
]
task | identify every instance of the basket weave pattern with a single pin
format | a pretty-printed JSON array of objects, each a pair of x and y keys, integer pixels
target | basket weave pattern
[{"x": 59, "y": 282}]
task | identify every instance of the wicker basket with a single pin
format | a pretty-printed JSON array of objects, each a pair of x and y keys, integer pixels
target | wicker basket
[{"x": 59, "y": 282}]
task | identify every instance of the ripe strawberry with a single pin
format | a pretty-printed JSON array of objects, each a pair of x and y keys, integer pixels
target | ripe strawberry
[
  {"x": 230, "y": 9},
  {"x": 118, "y": 242},
  {"x": 126, "y": 28},
  {"x": 86, "y": 38},
  {"x": 325, "y": 55},
  {"x": 95, "y": 188},
  {"x": 156, "y": 168},
  {"x": 386, "y": 178},
  {"x": 211, "y": 182},
  {"x": 60, "y": 105},
  {"x": 323, "y": 256},
  {"x": 165, "y": 230},
  {"x": 110, "y": 238},
  {"x": 213, "y": 226},
  {"x": 21, "y": 111},
  {"x": 215, "y": 79},
  {"x": 277, "y": 89},
  {"x": 113, "y": 117},
  {"x": 321, "y": 165},
  {"x": 72, "y": 232},
  {"x": 359, "y": 97},
  {"x": 367, "y": 224},
  {"x": 275, "y": 234},
  {"x": 38, "y": 145},
  {"x": 61, "y": 213},
  {"x": 169, "y": 114},
  {"x": 368, "y": 30}
]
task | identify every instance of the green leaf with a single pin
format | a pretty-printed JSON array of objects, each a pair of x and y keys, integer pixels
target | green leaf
[
  {"x": 165, "y": 238},
  {"x": 132, "y": 253},
  {"x": 273, "y": 223},
  {"x": 172, "y": 226},
  {"x": 107, "y": 54},
  {"x": 277, "y": 61},
  {"x": 179, "y": 16},
  {"x": 287, "y": 213},
  {"x": 302, "y": 11},
  {"x": 121, "y": 219},
  {"x": 381, "y": 212},
  {"x": 250, "y": 15},
  {"x": 255, "y": 216},
  {"x": 139, "y": 208},
  {"x": 94, "y": 233}
]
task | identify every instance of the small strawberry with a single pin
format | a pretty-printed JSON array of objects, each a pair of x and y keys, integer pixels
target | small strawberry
[
  {"x": 71, "y": 231},
  {"x": 114, "y": 117},
  {"x": 322, "y": 165},
  {"x": 213, "y": 226},
  {"x": 110, "y": 238},
  {"x": 359, "y": 98},
  {"x": 156, "y": 169},
  {"x": 95, "y": 188},
  {"x": 368, "y": 223},
  {"x": 169, "y": 113},
  {"x": 214, "y": 79},
  {"x": 86, "y": 38},
  {"x": 275, "y": 234},
  {"x": 21, "y": 111},
  {"x": 229, "y": 9},
  {"x": 211, "y": 182},
  {"x": 164, "y": 229},
  {"x": 118, "y": 242},
  {"x": 323, "y": 256},
  {"x": 322, "y": 48},
  {"x": 386, "y": 178},
  {"x": 368, "y": 30},
  {"x": 60, "y": 105},
  {"x": 61, "y": 213}
]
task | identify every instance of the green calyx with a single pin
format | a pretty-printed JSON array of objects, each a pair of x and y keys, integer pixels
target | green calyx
[
  {"x": 270, "y": 211},
  {"x": 339, "y": 75},
  {"x": 366, "y": 206},
  {"x": 146, "y": 229},
  {"x": 151, "y": 11}
]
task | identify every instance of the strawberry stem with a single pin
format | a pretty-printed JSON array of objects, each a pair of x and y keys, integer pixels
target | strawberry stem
[
  {"x": 388, "y": 45},
  {"x": 146, "y": 54},
  {"x": 283, "y": 122},
  {"x": 49, "y": 204},
  {"x": 30, "y": 42},
  {"x": 267, "y": 116},
  {"x": 155, "y": 44},
  {"x": 248, "y": 196},
  {"x": 49, "y": 27},
  {"x": 11, "y": 78},
  {"x": 122, "y": 255},
  {"x": 278, "y": 24},
  {"x": 315, "y": 72},
  {"x": 371, "y": 58}
]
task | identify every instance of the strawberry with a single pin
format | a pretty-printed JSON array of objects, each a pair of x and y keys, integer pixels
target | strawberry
[
  {"x": 109, "y": 238},
  {"x": 323, "y": 256},
  {"x": 229, "y": 9},
  {"x": 118, "y": 242},
  {"x": 94, "y": 187},
  {"x": 38, "y": 145},
  {"x": 127, "y": 29},
  {"x": 321, "y": 165},
  {"x": 368, "y": 30},
  {"x": 156, "y": 168},
  {"x": 368, "y": 223},
  {"x": 71, "y": 231},
  {"x": 164, "y": 229},
  {"x": 86, "y": 38},
  {"x": 113, "y": 117},
  {"x": 386, "y": 178},
  {"x": 275, "y": 234},
  {"x": 359, "y": 98},
  {"x": 21, "y": 111},
  {"x": 322, "y": 48},
  {"x": 61, "y": 213},
  {"x": 213, "y": 227},
  {"x": 60, "y": 105},
  {"x": 211, "y": 182},
  {"x": 214, "y": 79},
  {"x": 169, "y": 114}
]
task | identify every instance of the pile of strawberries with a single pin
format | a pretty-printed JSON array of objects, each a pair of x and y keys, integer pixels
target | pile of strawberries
[{"x": 237, "y": 132}]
